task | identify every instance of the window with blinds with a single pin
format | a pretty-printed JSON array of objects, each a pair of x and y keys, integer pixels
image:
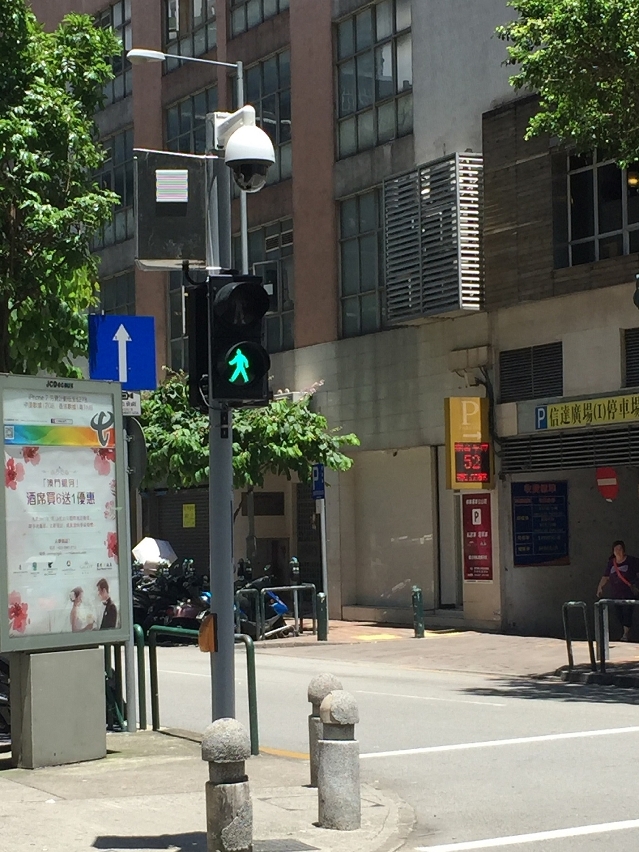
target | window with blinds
[
  {"x": 531, "y": 373},
  {"x": 631, "y": 357}
]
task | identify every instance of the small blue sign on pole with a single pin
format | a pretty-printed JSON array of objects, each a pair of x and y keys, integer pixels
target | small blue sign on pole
[
  {"x": 122, "y": 349},
  {"x": 319, "y": 490}
]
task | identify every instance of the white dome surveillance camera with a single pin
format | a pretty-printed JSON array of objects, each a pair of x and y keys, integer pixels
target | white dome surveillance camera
[{"x": 249, "y": 154}]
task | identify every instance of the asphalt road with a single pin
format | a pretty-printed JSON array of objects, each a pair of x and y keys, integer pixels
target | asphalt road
[{"x": 485, "y": 762}]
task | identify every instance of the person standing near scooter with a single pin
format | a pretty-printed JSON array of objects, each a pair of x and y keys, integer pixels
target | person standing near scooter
[{"x": 620, "y": 583}]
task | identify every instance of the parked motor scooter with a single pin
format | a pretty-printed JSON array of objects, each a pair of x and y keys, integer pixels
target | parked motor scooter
[
  {"x": 246, "y": 602},
  {"x": 169, "y": 596}
]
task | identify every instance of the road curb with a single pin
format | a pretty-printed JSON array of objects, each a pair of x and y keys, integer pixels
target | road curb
[{"x": 599, "y": 679}]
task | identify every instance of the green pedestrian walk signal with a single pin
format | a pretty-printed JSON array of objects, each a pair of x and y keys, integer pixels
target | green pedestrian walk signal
[
  {"x": 228, "y": 311},
  {"x": 239, "y": 362},
  {"x": 243, "y": 364}
]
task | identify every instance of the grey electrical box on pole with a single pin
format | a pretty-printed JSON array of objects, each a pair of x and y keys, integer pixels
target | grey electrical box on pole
[{"x": 170, "y": 205}]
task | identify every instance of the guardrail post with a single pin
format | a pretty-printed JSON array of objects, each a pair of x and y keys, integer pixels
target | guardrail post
[
  {"x": 565, "y": 614},
  {"x": 252, "y": 691},
  {"x": 338, "y": 785},
  {"x": 153, "y": 678},
  {"x": 138, "y": 636},
  {"x": 601, "y": 626},
  {"x": 322, "y": 618},
  {"x": 193, "y": 634},
  {"x": 418, "y": 612},
  {"x": 313, "y": 607},
  {"x": 229, "y": 813},
  {"x": 296, "y": 613},
  {"x": 318, "y": 689}
]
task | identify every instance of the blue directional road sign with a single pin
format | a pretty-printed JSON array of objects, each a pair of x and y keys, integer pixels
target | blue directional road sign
[
  {"x": 319, "y": 491},
  {"x": 122, "y": 349}
]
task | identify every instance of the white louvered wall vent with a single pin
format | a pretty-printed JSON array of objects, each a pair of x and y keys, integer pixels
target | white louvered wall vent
[{"x": 432, "y": 239}]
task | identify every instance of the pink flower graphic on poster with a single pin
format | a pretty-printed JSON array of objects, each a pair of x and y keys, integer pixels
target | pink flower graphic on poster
[
  {"x": 18, "y": 612},
  {"x": 109, "y": 510},
  {"x": 31, "y": 454},
  {"x": 112, "y": 545},
  {"x": 13, "y": 473},
  {"x": 103, "y": 460}
]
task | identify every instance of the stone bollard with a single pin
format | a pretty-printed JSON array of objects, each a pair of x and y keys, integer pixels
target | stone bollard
[
  {"x": 229, "y": 813},
  {"x": 318, "y": 689},
  {"x": 338, "y": 787}
]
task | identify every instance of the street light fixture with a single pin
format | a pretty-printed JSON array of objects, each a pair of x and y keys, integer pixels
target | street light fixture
[
  {"x": 239, "y": 305},
  {"x": 143, "y": 55}
]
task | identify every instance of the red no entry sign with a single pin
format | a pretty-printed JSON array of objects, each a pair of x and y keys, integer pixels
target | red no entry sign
[{"x": 607, "y": 483}]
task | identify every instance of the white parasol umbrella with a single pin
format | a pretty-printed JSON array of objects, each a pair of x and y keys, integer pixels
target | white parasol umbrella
[{"x": 154, "y": 551}]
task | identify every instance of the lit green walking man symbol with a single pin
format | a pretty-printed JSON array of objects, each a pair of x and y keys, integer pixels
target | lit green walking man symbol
[{"x": 240, "y": 362}]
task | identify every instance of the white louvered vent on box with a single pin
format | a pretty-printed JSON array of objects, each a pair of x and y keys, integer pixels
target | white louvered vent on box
[{"x": 432, "y": 239}]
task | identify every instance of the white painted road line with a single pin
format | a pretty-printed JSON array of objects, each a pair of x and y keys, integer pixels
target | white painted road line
[
  {"x": 546, "y": 738},
  {"x": 516, "y": 839},
  {"x": 184, "y": 674},
  {"x": 428, "y": 698}
]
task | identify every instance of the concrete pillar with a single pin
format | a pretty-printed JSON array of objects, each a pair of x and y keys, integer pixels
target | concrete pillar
[
  {"x": 318, "y": 689},
  {"x": 338, "y": 785},
  {"x": 229, "y": 812}
]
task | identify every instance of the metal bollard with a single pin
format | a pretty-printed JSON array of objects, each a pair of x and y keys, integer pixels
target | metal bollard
[
  {"x": 229, "y": 812},
  {"x": 338, "y": 787},
  {"x": 318, "y": 689},
  {"x": 418, "y": 612},
  {"x": 322, "y": 618}
]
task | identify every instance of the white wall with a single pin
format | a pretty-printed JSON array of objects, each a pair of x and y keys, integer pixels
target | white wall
[
  {"x": 394, "y": 526},
  {"x": 590, "y": 326},
  {"x": 388, "y": 387},
  {"x": 457, "y": 73}
]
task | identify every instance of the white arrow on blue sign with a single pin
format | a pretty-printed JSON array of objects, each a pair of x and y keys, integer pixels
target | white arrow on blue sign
[{"x": 122, "y": 349}]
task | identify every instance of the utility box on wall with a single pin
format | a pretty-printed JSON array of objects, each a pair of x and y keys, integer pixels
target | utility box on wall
[{"x": 170, "y": 210}]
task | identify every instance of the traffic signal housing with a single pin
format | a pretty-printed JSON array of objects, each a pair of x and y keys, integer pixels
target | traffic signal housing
[
  {"x": 227, "y": 314},
  {"x": 239, "y": 360}
]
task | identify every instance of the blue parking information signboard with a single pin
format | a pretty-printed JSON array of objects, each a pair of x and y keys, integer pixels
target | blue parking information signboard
[
  {"x": 122, "y": 349},
  {"x": 319, "y": 491},
  {"x": 540, "y": 523}
]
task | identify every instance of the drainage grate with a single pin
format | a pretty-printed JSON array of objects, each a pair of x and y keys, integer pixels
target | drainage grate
[{"x": 282, "y": 846}]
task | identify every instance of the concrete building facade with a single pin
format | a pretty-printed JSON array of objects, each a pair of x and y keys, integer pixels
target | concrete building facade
[{"x": 394, "y": 124}]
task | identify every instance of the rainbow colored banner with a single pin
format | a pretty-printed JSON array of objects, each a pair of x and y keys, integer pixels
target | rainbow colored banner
[{"x": 56, "y": 436}]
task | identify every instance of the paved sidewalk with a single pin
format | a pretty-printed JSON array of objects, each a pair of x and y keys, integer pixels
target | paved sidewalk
[
  {"x": 449, "y": 650},
  {"x": 149, "y": 794}
]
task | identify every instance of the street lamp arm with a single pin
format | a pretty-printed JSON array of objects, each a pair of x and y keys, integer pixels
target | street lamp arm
[{"x": 142, "y": 55}]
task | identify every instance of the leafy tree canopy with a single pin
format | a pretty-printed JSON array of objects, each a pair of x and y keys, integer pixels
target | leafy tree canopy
[
  {"x": 282, "y": 438},
  {"x": 582, "y": 57},
  {"x": 50, "y": 87}
]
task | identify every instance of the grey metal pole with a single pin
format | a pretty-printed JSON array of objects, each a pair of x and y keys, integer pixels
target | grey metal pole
[
  {"x": 243, "y": 195},
  {"x": 324, "y": 553},
  {"x": 221, "y": 488},
  {"x": 129, "y": 646}
]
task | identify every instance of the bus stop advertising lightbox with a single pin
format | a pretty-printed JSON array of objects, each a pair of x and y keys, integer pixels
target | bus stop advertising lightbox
[{"x": 64, "y": 582}]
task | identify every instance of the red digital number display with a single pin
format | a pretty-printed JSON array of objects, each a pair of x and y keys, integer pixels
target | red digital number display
[{"x": 472, "y": 462}]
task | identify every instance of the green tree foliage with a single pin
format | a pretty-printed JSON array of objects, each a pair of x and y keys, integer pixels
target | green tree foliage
[
  {"x": 282, "y": 438},
  {"x": 582, "y": 57},
  {"x": 50, "y": 87}
]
